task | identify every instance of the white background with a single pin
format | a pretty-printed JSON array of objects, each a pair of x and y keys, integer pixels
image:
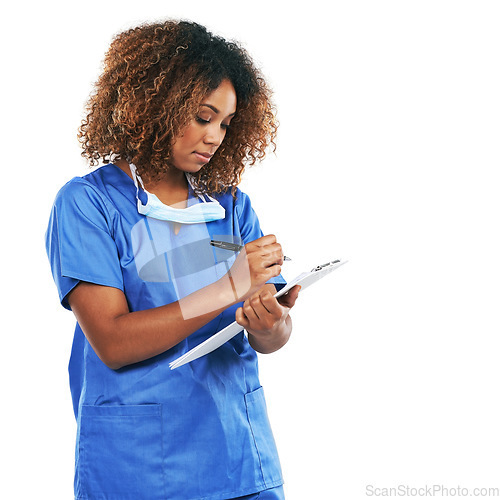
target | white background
[{"x": 388, "y": 156}]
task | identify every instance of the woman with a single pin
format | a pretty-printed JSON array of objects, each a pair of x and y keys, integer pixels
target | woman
[{"x": 175, "y": 116}]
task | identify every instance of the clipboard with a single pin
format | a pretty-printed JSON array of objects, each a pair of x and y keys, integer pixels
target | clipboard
[{"x": 304, "y": 280}]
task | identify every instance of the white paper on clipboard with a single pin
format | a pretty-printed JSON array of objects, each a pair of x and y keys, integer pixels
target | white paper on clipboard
[{"x": 304, "y": 280}]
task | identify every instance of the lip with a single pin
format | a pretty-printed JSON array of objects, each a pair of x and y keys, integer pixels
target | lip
[{"x": 204, "y": 157}]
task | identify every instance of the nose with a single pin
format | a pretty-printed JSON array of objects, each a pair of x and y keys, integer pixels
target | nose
[{"x": 215, "y": 135}]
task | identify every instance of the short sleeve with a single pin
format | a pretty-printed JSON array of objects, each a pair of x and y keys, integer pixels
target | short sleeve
[
  {"x": 250, "y": 228},
  {"x": 79, "y": 240}
]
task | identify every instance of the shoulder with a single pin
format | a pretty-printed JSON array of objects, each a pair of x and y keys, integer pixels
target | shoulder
[
  {"x": 237, "y": 203},
  {"x": 90, "y": 188},
  {"x": 242, "y": 205},
  {"x": 74, "y": 188},
  {"x": 78, "y": 192},
  {"x": 84, "y": 197},
  {"x": 242, "y": 212}
]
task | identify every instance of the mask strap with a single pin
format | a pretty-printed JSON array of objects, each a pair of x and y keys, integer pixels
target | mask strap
[
  {"x": 210, "y": 198},
  {"x": 190, "y": 181},
  {"x": 189, "y": 178},
  {"x": 136, "y": 176}
]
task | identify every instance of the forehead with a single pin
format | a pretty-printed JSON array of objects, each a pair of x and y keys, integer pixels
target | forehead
[{"x": 223, "y": 98}]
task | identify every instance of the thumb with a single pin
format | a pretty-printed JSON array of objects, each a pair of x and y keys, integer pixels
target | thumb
[{"x": 288, "y": 300}]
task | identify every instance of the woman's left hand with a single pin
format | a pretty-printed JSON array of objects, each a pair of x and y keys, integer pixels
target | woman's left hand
[{"x": 267, "y": 319}]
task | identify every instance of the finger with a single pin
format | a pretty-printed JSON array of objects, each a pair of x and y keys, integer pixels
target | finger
[
  {"x": 259, "y": 307},
  {"x": 249, "y": 310},
  {"x": 271, "y": 262},
  {"x": 266, "y": 254},
  {"x": 240, "y": 318},
  {"x": 270, "y": 272},
  {"x": 271, "y": 304},
  {"x": 274, "y": 271},
  {"x": 288, "y": 300},
  {"x": 273, "y": 248},
  {"x": 272, "y": 254},
  {"x": 263, "y": 241}
]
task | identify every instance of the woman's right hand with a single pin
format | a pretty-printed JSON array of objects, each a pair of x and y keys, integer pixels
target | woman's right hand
[{"x": 258, "y": 261}]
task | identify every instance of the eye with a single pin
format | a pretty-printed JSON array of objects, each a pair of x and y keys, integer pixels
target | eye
[
  {"x": 201, "y": 120},
  {"x": 225, "y": 126}
]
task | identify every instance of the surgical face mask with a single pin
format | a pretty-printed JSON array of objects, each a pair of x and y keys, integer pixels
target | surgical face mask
[{"x": 206, "y": 211}]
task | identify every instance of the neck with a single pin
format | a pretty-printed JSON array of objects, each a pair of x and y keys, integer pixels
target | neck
[{"x": 171, "y": 188}]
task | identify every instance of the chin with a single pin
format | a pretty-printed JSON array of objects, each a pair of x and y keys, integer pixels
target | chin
[
  {"x": 189, "y": 168},
  {"x": 192, "y": 169}
]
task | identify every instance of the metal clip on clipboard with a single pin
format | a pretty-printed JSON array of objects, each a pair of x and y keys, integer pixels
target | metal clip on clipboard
[{"x": 318, "y": 268}]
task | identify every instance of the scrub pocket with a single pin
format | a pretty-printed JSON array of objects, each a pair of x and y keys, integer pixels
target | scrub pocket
[
  {"x": 263, "y": 438},
  {"x": 120, "y": 453}
]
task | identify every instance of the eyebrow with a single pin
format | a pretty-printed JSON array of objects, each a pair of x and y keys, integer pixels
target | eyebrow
[{"x": 215, "y": 110}]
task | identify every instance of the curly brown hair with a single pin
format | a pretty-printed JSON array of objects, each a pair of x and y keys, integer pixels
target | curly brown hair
[{"x": 154, "y": 80}]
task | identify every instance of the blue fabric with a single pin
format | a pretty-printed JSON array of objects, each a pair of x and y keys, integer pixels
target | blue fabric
[
  {"x": 144, "y": 431},
  {"x": 272, "y": 494}
]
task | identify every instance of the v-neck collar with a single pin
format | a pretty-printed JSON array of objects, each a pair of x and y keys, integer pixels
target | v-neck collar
[{"x": 129, "y": 183}]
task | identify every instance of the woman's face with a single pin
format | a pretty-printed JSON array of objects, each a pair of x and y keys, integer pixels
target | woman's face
[{"x": 202, "y": 137}]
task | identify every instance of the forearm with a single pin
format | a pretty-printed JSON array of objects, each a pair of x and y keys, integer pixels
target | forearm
[
  {"x": 129, "y": 337},
  {"x": 273, "y": 340},
  {"x": 143, "y": 334}
]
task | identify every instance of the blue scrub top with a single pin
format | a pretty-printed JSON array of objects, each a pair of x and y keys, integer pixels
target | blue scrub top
[{"x": 144, "y": 431}]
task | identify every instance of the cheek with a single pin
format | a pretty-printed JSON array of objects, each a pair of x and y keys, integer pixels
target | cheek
[
  {"x": 180, "y": 146},
  {"x": 191, "y": 136}
]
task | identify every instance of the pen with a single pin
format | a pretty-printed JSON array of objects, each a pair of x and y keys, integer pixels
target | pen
[{"x": 234, "y": 247}]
